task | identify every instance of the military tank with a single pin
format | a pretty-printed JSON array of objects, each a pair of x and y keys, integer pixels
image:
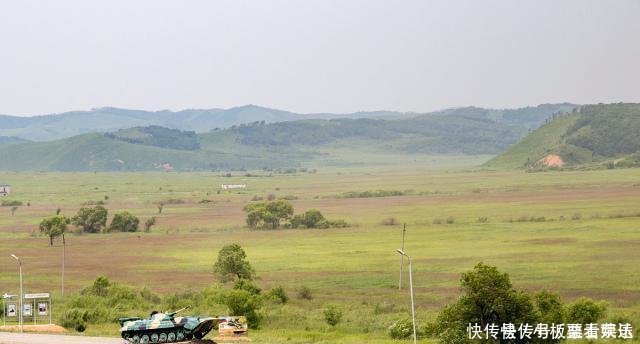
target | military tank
[{"x": 165, "y": 328}]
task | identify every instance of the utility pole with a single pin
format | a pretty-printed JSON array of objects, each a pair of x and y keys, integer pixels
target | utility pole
[{"x": 404, "y": 231}]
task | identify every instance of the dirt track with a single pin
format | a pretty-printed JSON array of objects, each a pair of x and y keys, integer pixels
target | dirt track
[{"x": 29, "y": 338}]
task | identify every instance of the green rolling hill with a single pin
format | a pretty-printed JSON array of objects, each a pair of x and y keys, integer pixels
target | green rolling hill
[
  {"x": 603, "y": 135},
  {"x": 261, "y": 144}
]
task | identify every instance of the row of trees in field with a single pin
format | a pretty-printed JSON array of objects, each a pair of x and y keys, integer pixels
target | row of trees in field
[
  {"x": 277, "y": 213},
  {"x": 92, "y": 220}
]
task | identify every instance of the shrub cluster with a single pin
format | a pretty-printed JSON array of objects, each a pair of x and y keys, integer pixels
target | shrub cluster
[
  {"x": 94, "y": 220},
  {"x": 489, "y": 297},
  {"x": 273, "y": 214},
  {"x": 376, "y": 193},
  {"x": 11, "y": 203}
]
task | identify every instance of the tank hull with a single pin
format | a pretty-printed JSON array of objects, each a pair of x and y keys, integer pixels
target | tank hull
[{"x": 165, "y": 328}]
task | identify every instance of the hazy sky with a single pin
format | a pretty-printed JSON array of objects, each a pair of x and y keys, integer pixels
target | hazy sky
[{"x": 315, "y": 56}]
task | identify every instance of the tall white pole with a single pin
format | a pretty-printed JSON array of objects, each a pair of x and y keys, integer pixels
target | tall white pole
[
  {"x": 21, "y": 298},
  {"x": 413, "y": 310},
  {"x": 404, "y": 230}
]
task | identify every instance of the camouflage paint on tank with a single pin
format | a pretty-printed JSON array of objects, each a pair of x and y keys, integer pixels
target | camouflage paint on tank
[{"x": 165, "y": 327}]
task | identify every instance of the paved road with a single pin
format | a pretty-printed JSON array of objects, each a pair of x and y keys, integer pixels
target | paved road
[{"x": 29, "y": 338}]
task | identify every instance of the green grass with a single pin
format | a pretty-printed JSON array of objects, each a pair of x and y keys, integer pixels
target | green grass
[{"x": 594, "y": 256}]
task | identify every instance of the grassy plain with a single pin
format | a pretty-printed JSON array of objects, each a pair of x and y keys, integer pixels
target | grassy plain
[{"x": 587, "y": 244}]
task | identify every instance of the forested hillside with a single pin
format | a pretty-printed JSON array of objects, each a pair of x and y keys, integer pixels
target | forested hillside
[
  {"x": 158, "y": 136},
  {"x": 447, "y": 134},
  {"x": 603, "y": 135}
]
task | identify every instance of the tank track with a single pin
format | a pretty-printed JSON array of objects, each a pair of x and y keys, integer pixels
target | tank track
[{"x": 153, "y": 336}]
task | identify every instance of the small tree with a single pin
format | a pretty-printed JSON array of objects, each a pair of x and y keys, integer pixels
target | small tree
[
  {"x": 232, "y": 263},
  {"x": 124, "y": 222},
  {"x": 279, "y": 210},
  {"x": 149, "y": 223},
  {"x": 54, "y": 227},
  {"x": 488, "y": 298},
  {"x": 268, "y": 214},
  {"x": 585, "y": 311},
  {"x": 91, "y": 220}
]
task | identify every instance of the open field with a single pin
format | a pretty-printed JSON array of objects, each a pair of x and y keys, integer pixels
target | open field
[{"x": 586, "y": 245}]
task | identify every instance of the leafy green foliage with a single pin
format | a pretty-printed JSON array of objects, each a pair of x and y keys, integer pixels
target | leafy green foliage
[
  {"x": 585, "y": 311},
  {"x": 232, "y": 263},
  {"x": 607, "y": 130},
  {"x": 488, "y": 298},
  {"x": 54, "y": 226},
  {"x": 402, "y": 329},
  {"x": 332, "y": 314},
  {"x": 74, "y": 318},
  {"x": 268, "y": 214},
  {"x": 91, "y": 220},
  {"x": 278, "y": 294},
  {"x": 248, "y": 285},
  {"x": 100, "y": 287},
  {"x": 310, "y": 219},
  {"x": 124, "y": 221},
  {"x": 242, "y": 302}
]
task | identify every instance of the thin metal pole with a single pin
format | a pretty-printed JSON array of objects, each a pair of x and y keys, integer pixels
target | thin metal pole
[
  {"x": 21, "y": 298},
  {"x": 64, "y": 246},
  {"x": 404, "y": 230},
  {"x": 413, "y": 310}
]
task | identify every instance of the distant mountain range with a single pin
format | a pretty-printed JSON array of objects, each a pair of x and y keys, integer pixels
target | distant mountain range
[
  {"x": 106, "y": 119},
  {"x": 252, "y": 137},
  {"x": 591, "y": 136}
]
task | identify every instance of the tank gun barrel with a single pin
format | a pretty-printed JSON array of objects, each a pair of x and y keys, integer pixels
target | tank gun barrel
[{"x": 179, "y": 310}]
